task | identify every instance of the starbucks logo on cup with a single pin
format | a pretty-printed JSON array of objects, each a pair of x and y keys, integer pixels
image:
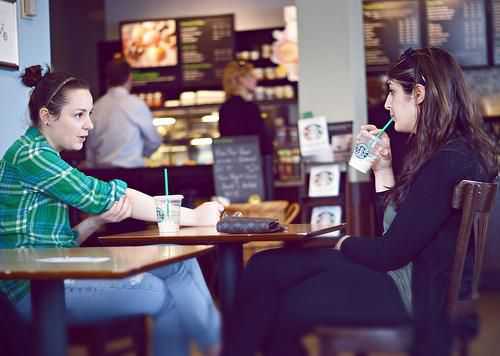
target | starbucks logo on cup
[
  {"x": 160, "y": 214},
  {"x": 361, "y": 151}
]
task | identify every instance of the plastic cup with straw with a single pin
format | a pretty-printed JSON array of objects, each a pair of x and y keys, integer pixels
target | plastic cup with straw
[
  {"x": 379, "y": 134},
  {"x": 381, "y": 131},
  {"x": 167, "y": 203},
  {"x": 168, "y": 209},
  {"x": 363, "y": 154}
]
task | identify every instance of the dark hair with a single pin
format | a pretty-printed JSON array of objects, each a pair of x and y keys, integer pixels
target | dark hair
[
  {"x": 49, "y": 90},
  {"x": 117, "y": 72},
  {"x": 447, "y": 113}
]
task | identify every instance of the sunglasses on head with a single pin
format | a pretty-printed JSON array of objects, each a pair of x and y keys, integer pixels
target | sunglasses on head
[{"x": 410, "y": 55}]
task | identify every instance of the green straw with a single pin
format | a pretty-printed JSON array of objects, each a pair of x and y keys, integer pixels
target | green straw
[
  {"x": 379, "y": 134},
  {"x": 165, "y": 176}
]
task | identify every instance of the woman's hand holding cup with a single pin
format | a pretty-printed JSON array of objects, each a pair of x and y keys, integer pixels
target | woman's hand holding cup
[
  {"x": 371, "y": 150},
  {"x": 382, "y": 150}
]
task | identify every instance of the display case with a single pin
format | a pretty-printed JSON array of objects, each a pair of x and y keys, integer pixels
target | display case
[{"x": 188, "y": 131}]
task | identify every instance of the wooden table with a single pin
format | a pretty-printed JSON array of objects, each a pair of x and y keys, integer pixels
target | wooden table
[
  {"x": 47, "y": 268},
  {"x": 229, "y": 247}
]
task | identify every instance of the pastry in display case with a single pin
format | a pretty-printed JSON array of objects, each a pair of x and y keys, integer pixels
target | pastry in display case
[{"x": 150, "y": 43}]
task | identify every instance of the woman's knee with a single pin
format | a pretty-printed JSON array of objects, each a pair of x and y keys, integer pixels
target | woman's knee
[
  {"x": 153, "y": 290},
  {"x": 94, "y": 299},
  {"x": 263, "y": 260},
  {"x": 178, "y": 270}
]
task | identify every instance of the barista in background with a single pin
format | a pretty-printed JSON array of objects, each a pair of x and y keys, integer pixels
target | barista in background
[
  {"x": 377, "y": 115},
  {"x": 238, "y": 115},
  {"x": 123, "y": 124}
]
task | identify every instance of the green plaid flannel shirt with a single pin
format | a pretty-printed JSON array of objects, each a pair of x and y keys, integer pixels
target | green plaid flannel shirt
[{"x": 36, "y": 188}]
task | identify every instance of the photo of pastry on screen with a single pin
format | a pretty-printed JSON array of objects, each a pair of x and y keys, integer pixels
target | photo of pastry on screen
[{"x": 149, "y": 43}]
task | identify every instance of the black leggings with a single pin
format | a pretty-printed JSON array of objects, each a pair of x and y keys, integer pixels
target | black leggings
[{"x": 284, "y": 293}]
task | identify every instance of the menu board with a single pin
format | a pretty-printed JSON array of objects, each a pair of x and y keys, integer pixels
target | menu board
[
  {"x": 495, "y": 10},
  {"x": 206, "y": 46},
  {"x": 237, "y": 168},
  {"x": 459, "y": 26},
  {"x": 390, "y": 27}
]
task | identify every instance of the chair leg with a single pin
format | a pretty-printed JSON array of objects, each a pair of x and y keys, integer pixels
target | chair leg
[
  {"x": 325, "y": 348},
  {"x": 463, "y": 347},
  {"x": 146, "y": 331},
  {"x": 97, "y": 346}
]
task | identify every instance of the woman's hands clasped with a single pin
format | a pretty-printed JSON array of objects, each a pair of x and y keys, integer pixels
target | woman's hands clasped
[
  {"x": 382, "y": 151},
  {"x": 382, "y": 166},
  {"x": 207, "y": 214}
]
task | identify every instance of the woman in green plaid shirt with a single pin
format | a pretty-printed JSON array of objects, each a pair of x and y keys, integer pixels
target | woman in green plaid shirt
[{"x": 36, "y": 189}]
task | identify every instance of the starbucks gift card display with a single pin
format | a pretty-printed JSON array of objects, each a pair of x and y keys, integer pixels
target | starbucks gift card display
[
  {"x": 324, "y": 216},
  {"x": 341, "y": 147},
  {"x": 313, "y": 136},
  {"x": 324, "y": 180}
]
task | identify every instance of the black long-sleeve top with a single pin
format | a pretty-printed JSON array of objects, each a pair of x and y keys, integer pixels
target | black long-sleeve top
[
  {"x": 424, "y": 231},
  {"x": 238, "y": 117}
]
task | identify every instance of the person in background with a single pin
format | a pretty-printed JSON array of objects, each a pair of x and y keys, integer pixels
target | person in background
[
  {"x": 36, "y": 189},
  {"x": 397, "y": 278},
  {"x": 239, "y": 115},
  {"x": 123, "y": 131}
]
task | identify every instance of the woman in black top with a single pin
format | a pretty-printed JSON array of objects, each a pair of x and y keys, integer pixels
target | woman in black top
[
  {"x": 238, "y": 115},
  {"x": 284, "y": 293}
]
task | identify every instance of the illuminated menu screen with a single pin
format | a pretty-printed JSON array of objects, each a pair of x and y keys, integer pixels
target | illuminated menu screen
[
  {"x": 206, "y": 46},
  {"x": 459, "y": 26},
  {"x": 495, "y": 7},
  {"x": 390, "y": 27}
]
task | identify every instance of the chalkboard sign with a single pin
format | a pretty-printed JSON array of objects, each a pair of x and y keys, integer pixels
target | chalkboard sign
[
  {"x": 458, "y": 26},
  {"x": 237, "y": 168},
  {"x": 390, "y": 27}
]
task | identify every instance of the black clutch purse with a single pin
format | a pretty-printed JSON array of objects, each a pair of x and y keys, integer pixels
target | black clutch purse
[{"x": 248, "y": 225}]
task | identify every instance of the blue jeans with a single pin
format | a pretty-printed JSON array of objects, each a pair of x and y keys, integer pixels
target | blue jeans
[{"x": 176, "y": 296}]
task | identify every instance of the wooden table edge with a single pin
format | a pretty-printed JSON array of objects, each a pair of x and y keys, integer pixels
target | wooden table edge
[
  {"x": 224, "y": 238},
  {"x": 34, "y": 275}
]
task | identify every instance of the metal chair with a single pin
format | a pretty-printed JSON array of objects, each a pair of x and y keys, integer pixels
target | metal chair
[{"x": 476, "y": 200}]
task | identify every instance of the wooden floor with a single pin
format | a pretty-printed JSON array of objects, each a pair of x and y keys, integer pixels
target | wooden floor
[{"x": 486, "y": 344}]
